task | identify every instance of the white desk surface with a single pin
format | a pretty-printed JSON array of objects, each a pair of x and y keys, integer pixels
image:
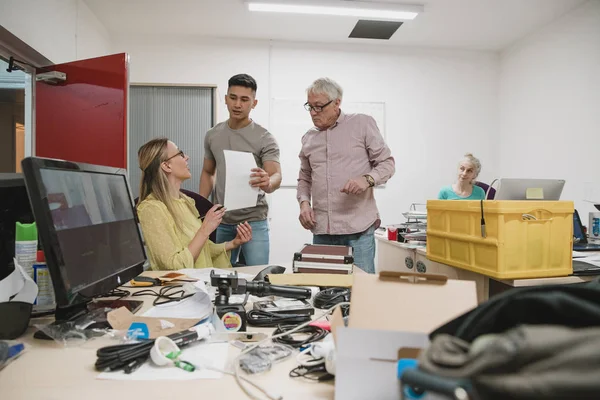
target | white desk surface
[
  {"x": 561, "y": 280},
  {"x": 50, "y": 371},
  {"x": 384, "y": 239}
]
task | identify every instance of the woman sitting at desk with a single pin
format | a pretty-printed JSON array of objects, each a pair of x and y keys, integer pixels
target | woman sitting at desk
[
  {"x": 465, "y": 188},
  {"x": 175, "y": 235}
]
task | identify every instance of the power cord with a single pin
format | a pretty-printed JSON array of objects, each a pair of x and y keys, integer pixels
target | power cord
[
  {"x": 315, "y": 333},
  {"x": 483, "y": 230},
  {"x": 317, "y": 373},
  {"x": 262, "y": 318},
  {"x": 306, "y": 359},
  {"x": 118, "y": 293},
  {"x": 330, "y": 297},
  {"x": 123, "y": 356},
  {"x": 487, "y": 192},
  {"x": 166, "y": 294},
  {"x": 236, "y": 361}
]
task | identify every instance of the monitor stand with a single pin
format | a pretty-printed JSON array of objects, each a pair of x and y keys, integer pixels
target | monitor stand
[{"x": 72, "y": 313}]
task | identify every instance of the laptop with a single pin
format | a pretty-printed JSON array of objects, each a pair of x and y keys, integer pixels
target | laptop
[
  {"x": 529, "y": 189},
  {"x": 580, "y": 242}
]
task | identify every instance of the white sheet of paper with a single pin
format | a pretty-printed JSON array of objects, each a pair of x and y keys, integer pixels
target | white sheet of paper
[
  {"x": 11, "y": 285},
  {"x": 30, "y": 289},
  {"x": 203, "y": 274},
  {"x": 579, "y": 254},
  {"x": 238, "y": 192},
  {"x": 198, "y": 306},
  {"x": 593, "y": 259},
  {"x": 212, "y": 354}
]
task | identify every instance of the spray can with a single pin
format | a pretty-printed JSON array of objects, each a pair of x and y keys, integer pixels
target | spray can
[
  {"x": 26, "y": 246},
  {"x": 45, "y": 300}
]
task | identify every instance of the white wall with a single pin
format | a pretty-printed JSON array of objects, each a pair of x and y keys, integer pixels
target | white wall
[
  {"x": 550, "y": 105},
  {"x": 61, "y": 30},
  {"x": 439, "y": 105}
]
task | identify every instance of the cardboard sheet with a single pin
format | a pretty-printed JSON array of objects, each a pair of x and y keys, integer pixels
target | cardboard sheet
[
  {"x": 391, "y": 315},
  {"x": 325, "y": 280},
  {"x": 122, "y": 318}
]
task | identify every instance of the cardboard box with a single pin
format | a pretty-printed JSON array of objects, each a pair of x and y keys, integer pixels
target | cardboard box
[{"x": 391, "y": 315}]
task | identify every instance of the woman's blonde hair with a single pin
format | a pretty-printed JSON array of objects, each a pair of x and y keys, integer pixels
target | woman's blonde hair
[
  {"x": 470, "y": 158},
  {"x": 154, "y": 180}
]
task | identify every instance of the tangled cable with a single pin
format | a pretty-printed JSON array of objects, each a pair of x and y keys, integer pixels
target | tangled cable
[
  {"x": 268, "y": 319},
  {"x": 330, "y": 297},
  {"x": 166, "y": 294},
  {"x": 315, "y": 334}
]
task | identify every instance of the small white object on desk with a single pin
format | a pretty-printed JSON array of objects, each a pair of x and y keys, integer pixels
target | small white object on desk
[{"x": 18, "y": 284}]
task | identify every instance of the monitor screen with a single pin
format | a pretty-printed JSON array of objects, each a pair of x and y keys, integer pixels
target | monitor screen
[
  {"x": 14, "y": 207},
  {"x": 577, "y": 231},
  {"x": 87, "y": 225}
]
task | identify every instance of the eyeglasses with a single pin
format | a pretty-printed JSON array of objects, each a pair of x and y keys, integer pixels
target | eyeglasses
[
  {"x": 318, "y": 109},
  {"x": 180, "y": 153}
]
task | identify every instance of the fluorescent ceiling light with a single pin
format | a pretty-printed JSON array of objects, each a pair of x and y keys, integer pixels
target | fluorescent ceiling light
[{"x": 361, "y": 9}]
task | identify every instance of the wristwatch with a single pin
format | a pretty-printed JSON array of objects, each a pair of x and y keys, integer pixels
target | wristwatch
[{"x": 370, "y": 180}]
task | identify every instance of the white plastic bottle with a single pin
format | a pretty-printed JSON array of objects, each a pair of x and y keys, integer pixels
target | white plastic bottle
[{"x": 26, "y": 246}]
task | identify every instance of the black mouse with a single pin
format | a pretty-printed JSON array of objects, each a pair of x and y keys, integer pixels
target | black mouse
[{"x": 271, "y": 269}]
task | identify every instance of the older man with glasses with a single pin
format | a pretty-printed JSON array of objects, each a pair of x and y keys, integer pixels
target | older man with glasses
[{"x": 343, "y": 158}]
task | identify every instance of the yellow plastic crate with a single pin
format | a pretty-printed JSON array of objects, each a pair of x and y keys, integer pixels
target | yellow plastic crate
[{"x": 516, "y": 245}]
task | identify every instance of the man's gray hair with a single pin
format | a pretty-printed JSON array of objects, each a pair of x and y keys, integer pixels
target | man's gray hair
[{"x": 328, "y": 87}]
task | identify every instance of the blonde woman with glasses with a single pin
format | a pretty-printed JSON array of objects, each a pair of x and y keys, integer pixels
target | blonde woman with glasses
[{"x": 175, "y": 235}]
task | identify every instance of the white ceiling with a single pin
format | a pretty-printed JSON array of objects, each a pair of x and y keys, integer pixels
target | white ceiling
[{"x": 464, "y": 24}]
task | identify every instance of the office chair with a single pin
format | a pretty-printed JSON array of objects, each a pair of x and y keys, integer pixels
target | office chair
[
  {"x": 485, "y": 187},
  {"x": 202, "y": 205}
]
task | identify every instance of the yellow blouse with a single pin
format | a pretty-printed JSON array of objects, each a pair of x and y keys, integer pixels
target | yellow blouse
[{"x": 167, "y": 245}]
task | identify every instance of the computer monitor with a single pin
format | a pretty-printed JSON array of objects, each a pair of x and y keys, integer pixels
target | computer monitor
[
  {"x": 14, "y": 207},
  {"x": 87, "y": 227},
  {"x": 529, "y": 189}
]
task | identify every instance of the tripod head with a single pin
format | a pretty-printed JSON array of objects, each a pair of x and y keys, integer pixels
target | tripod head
[{"x": 228, "y": 284}]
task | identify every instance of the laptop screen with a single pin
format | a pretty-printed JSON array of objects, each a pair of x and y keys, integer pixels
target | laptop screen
[{"x": 578, "y": 228}]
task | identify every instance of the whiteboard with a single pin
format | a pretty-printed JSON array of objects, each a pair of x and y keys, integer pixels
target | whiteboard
[{"x": 289, "y": 121}]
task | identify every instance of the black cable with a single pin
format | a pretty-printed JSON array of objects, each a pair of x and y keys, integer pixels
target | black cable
[
  {"x": 123, "y": 356},
  {"x": 262, "y": 318},
  {"x": 118, "y": 293},
  {"x": 129, "y": 357},
  {"x": 315, "y": 334},
  {"x": 483, "y": 231},
  {"x": 314, "y": 373},
  {"x": 166, "y": 294},
  {"x": 328, "y": 298}
]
